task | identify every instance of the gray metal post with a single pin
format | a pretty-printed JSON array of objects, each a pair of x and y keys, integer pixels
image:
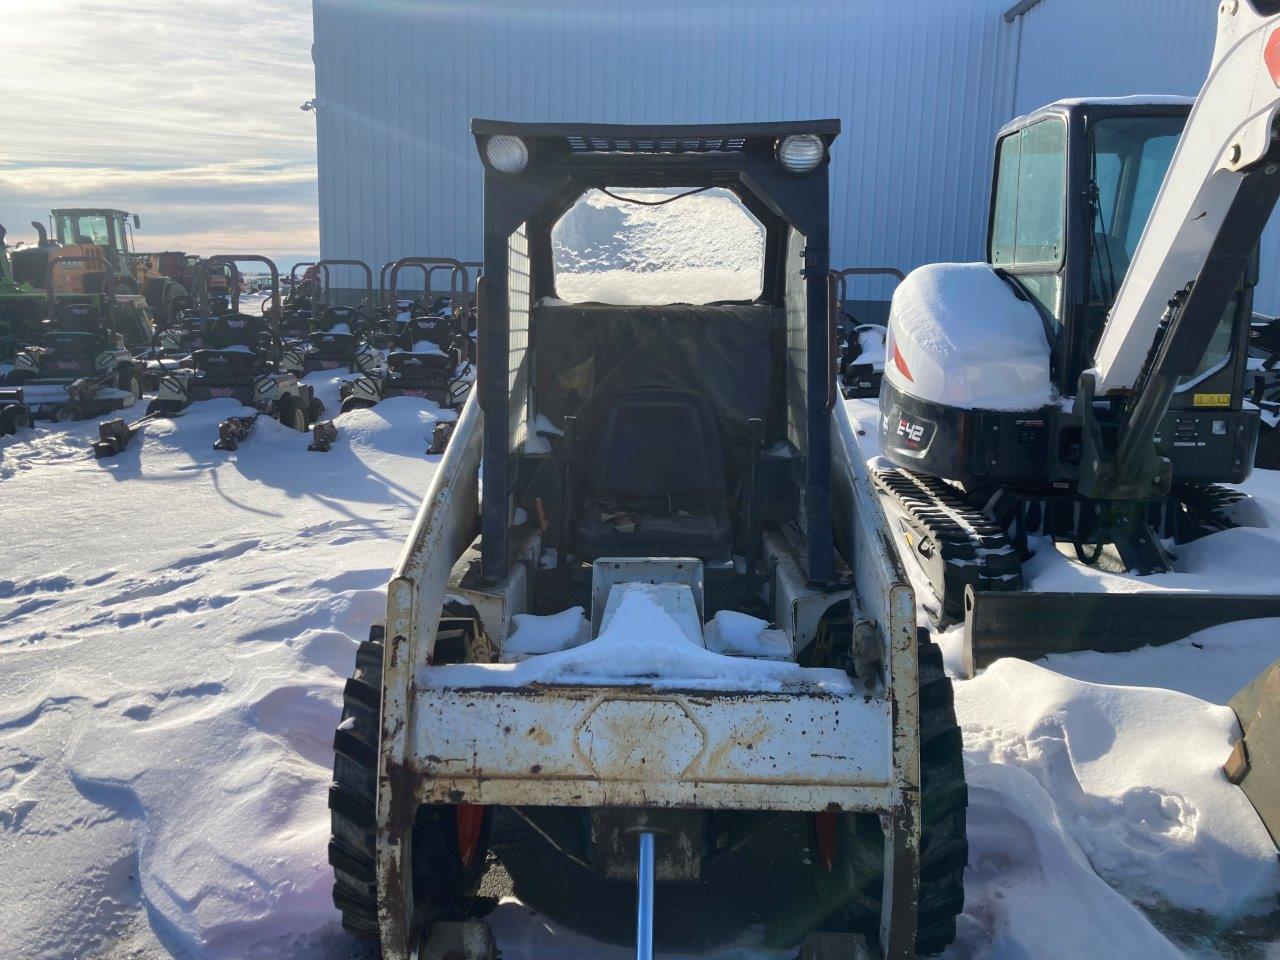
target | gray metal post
[{"x": 644, "y": 898}]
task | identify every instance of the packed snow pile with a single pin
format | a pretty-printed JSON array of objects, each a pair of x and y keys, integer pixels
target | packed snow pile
[
  {"x": 698, "y": 248},
  {"x": 966, "y": 340},
  {"x": 533, "y": 635},
  {"x": 1096, "y": 780}
]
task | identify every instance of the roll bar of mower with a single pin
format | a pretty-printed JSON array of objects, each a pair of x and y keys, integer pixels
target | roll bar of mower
[
  {"x": 233, "y": 260},
  {"x": 202, "y": 274},
  {"x": 108, "y": 280},
  {"x": 458, "y": 279},
  {"x": 359, "y": 264}
]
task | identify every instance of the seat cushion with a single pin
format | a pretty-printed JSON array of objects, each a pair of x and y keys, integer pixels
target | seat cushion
[{"x": 605, "y": 531}]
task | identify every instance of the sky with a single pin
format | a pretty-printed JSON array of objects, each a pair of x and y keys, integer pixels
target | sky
[{"x": 184, "y": 113}]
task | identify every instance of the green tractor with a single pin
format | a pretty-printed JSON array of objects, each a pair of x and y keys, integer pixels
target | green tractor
[
  {"x": 74, "y": 279},
  {"x": 21, "y": 309}
]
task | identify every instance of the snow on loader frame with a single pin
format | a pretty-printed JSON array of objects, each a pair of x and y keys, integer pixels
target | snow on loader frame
[{"x": 706, "y": 472}]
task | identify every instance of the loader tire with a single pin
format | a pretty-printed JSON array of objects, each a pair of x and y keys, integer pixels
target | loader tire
[
  {"x": 442, "y": 885},
  {"x": 944, "y": 847}
]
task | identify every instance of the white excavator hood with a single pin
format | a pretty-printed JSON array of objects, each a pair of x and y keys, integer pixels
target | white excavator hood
[{"x": 959, "y": 336}]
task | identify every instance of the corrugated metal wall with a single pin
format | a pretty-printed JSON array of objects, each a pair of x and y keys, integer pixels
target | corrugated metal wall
[
  {"x": 920, "y": 85},
  {"x": 1102, "y": 48},
  {"x": 912, "y": 81}
]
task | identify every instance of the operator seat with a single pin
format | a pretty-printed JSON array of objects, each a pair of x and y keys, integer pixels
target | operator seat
[
  {"x": 78, "y": 333},
  {"x": 235, "y": 330},
  {"x": 79, "y": 318},
  {"x": 656, "y": 483},
  {"x": 232, "y": 348}
]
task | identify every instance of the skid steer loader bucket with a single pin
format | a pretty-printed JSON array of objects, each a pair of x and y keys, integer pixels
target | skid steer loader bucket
[{"x": 682, "y": 630}]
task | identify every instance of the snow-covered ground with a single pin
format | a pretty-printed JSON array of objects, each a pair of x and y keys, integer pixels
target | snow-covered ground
[{"x": 176, "y": 625}]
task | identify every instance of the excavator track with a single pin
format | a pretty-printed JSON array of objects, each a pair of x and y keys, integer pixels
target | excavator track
[
  {"x": 953, "y": 543},
  {"x": 1206, "y": 508}
]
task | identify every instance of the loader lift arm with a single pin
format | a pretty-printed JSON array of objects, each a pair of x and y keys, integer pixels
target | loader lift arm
[{"x": 1217, "y": 197}]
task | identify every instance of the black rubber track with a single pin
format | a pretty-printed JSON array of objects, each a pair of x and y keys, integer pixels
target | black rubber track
[
  {"x": 944, "y": 846},
  {"x": 442, "y": 889},
  {"x": 955, "y": 545}
]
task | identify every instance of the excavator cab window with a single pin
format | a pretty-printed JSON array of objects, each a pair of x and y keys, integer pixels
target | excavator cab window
[
  {"x": 1028, "y": 225},
  {"x": 1128, "y": 159}
]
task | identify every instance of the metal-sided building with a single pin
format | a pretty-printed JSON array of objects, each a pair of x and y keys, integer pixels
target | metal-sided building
[{"x": 921, "y": 87}]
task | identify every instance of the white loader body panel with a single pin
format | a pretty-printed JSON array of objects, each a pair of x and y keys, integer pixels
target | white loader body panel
[
  {"x": 960, "y": 336},
  {"x": 1229, "y": 129},
  {"x": 609, "y": 746}
]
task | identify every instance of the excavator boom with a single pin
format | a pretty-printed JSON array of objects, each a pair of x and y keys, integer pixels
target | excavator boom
[{"x": 1228, "y": 137}]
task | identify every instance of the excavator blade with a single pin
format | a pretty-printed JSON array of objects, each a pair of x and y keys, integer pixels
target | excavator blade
[{"x": 1030, "y": 625}]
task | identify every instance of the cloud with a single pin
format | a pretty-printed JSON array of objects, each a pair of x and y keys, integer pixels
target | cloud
[{"x": 185, "y": 113}]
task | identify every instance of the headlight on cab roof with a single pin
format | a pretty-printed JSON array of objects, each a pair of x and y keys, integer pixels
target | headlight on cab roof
[
  {"x": 506, "y": 154},
  {"x": 801, "y": 152}
]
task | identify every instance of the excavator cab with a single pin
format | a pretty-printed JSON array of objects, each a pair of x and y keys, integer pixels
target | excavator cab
[
  {"x": 1107, "y": 158},
  {"x": 1072, "y": 188}
]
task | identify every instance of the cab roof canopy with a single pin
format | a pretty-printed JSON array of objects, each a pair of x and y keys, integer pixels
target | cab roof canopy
[{"x": 567, "y": 159}]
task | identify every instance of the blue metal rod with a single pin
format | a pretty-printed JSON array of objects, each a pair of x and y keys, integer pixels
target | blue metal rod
[{"x": 644, "y": 899}]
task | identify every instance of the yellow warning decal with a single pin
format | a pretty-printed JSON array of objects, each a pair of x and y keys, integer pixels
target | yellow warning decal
[{"x": 1213, "y": 399}]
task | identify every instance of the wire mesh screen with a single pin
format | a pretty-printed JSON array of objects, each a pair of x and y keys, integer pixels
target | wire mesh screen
[
  {"x": 797, "y": 341},
  {"x": 518, "y": 301}
]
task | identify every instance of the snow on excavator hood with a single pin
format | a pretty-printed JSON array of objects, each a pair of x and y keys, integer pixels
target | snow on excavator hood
[{"x": 959, "y": 336}]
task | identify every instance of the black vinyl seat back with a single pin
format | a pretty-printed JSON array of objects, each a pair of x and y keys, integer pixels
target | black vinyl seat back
[
  {"x": 353, "y": 317},
  {"x": 430, "y": 327},
  {"x": 236, "y": 330},
  {"x": 222, "y": 359},
  {"x": 656, "y": 480},
  {"x": 75, "y": 346},
  {"x": 79, "y": 318},
  {"x": 433, "y": 366},
  {"x": 656, "y": 449}
]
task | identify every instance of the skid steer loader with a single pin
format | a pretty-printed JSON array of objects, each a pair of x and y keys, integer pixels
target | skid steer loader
[
  {"x": 682, "y": 629},
  {"x": 1086, "y": 386}
]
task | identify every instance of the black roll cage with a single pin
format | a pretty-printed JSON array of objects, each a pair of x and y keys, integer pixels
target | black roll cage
[{"x": 566, "y": 160}]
